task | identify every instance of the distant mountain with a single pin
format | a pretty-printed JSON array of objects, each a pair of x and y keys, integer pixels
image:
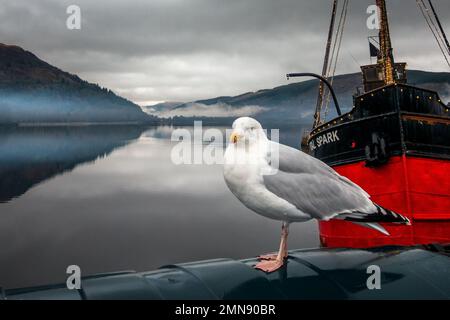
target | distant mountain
[
  {"x": 163, "y": 106},
  {"x": 32, "y": 90},
  {"x": 289, "y": 104}
]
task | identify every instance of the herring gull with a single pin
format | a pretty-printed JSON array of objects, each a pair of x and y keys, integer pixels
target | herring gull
[{"x": 286, "y": 184}]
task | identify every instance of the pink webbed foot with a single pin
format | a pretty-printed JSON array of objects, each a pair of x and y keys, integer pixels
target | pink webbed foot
[
  {"x": 269, "y": 265},
  {"x": 270, "y": 256}
]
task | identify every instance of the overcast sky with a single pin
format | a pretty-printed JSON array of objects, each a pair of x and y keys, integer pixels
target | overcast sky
[{"x": 184, "y": 50}]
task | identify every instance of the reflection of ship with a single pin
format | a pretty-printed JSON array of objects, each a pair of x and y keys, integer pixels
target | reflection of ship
[
  {"x": 395, "y": 143},
  {"x": 30, "y": 155}
]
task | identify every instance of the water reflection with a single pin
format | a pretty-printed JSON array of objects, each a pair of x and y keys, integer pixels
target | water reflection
[
  {"x": 110, "y": 199},
  {"x": 30, "y": 155}
]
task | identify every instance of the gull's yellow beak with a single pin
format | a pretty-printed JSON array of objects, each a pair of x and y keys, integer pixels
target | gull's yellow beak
[{"x": 234, "y": 137}]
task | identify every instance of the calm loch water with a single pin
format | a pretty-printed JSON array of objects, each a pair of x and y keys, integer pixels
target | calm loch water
[{"x": 110, "y": 199}]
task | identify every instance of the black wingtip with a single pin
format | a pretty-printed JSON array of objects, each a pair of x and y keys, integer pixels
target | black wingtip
[
  {"x": 391, "y": 216},
  {"x": 380, "y": 215}
]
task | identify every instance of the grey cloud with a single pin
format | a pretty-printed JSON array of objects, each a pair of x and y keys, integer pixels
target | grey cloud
[{"x": 185, "y": 50}]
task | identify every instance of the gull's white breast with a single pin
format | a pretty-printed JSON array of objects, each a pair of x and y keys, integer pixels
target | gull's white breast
[{"x": 243, "y": 173}]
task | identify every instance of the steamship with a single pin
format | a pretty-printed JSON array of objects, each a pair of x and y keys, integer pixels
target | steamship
[{"x": 394, "y": 143}]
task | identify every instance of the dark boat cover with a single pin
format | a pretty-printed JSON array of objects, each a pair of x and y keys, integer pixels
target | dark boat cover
[{"x": 406, "y": 273}]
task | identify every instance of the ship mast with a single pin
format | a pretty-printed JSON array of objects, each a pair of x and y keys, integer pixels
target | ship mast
[
  {"x": 386, "y": 58},
  {"x": 325, "y": 66}
]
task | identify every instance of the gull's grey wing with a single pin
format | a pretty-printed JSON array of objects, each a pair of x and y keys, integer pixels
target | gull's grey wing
[
  {"x": 316, "y": 189},
  {"x": 291, "y": 160},
  {"x": 321, "y": 196}
]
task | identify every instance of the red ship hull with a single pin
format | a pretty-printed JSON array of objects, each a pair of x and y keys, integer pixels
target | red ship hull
[{"x": 416, "y": 187}]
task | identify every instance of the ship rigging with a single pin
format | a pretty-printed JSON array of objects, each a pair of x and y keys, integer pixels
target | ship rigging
[{"x": 388, "y": 71}]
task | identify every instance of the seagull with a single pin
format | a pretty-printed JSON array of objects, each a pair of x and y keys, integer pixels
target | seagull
[{"x": 288, "y": 185}]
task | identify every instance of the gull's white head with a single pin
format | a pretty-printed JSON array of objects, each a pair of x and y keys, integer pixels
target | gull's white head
[{"x": 247, "y": 130}]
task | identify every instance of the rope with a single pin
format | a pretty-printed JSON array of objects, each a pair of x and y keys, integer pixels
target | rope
[
  {"x": 440, "y": 25},
  {"x": 430, "y": 24},
  {"x": 433, "y": 23}
]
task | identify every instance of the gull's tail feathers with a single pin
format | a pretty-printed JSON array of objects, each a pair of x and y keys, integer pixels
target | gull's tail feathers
[
  {"x": 372, "y": 219},
  {"x": 374, "y": 226},
  {"x": 379, "y": 215}
]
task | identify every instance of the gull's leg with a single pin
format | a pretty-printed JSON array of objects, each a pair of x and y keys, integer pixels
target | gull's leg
[
  {"x": 283, "y": 245},
  {"x": 273, "y": 262}
]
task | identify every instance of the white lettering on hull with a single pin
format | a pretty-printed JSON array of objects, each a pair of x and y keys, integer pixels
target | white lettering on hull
[{"x": 326, "y": 138}]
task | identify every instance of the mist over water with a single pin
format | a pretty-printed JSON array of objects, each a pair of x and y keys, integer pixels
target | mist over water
[{"x": 110, "y": 199}]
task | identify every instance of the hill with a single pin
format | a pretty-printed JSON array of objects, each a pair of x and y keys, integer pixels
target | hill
[
  {"x": 289, "y": 104},
  {"x": 31, "y": 90}
]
